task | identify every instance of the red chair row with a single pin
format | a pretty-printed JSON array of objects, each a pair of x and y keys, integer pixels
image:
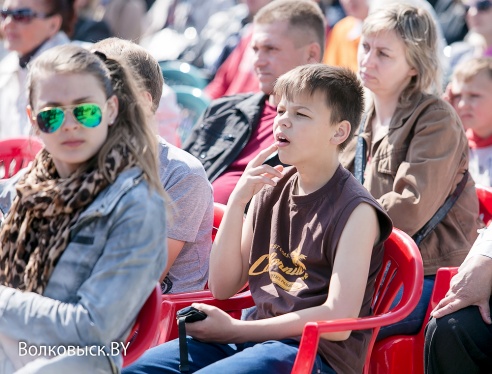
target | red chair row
[
  {"x": 402, "y": 266},
  {"x": 401, "y": 354},
  {"x": 394, "y": 355}
]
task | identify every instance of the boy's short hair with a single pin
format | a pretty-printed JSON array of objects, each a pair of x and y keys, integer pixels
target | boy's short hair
[
  {"x": 468, "y": 69},
  {"x": 141, "y": 62},
  {"x": 342, "y": 90},
  {"x": 305, "y": 16}
]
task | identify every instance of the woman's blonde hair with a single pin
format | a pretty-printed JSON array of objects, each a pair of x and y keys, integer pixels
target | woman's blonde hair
[
  {"x": 418, "y": 30},
  {"x": 131, "y": 125}
]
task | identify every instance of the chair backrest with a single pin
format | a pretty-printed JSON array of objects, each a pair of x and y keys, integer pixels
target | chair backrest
[
  {"x": 16, "y": 153},
  {"x": 485, "y": 202},
  {"x": 404, "y": 354},
  {"x": 441, "y": 285},
  {"x": 181, "y": 73},
  {"x": 402, "y": 267},
  {"x": 219, "y": 210},
  {"x": 145, "y": 330},
  {"x": 193, "y": 103}
]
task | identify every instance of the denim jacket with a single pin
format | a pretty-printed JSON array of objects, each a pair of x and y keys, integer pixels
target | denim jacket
[{"x": 116, "y": 254}]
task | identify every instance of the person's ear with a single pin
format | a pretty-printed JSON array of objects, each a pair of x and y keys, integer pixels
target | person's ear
[
  {"x": 112, "y": 109},
  {"x": 341, "y": 133},
  {"x": 55, "y": 24},
  {"x": 314, "y": 53},
  {"x": 148, "y": 98},
  {"x": 32, "y": 120}
]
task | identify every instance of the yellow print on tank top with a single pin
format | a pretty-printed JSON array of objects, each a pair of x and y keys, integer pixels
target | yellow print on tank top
[{"x": 279, "y": 268}]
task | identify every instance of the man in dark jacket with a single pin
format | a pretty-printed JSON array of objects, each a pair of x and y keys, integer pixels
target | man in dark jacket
[{"x": 287, "y": 33}]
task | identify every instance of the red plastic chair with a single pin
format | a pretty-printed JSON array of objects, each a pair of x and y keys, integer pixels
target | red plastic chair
[
  {"x": 485, "y": 202},
  {"x": 410, "y": 275},
  {"x": 404, "y": 354},
  {"x": 441, "y": 285},
  {"x": 174, "y": 302},
  {"x": 145, "y": 329},
  {"x": 16, "y": 153},
  {"x": 404, "y": 268},
  {"x": 219, "y": 210}
]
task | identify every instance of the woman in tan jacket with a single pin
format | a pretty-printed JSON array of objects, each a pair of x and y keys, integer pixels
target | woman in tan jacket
[{"x": 411, "y": 152}]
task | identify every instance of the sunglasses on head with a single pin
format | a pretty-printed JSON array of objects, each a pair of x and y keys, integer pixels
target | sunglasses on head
[
  {"x": 51, "y": 119},
  {"x": 480, "y": 6},
  {"x": 23, "y": 15}
]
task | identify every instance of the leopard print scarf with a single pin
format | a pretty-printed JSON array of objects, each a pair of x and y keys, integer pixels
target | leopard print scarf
[{"x": 36, "y": 231}]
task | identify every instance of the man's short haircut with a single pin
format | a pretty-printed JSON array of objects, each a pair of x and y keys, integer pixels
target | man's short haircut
[
  {"x": 141, "y": 62},
  {"x": 342, "y": 90},
  {"x": 468, "y": 69},
  {"x": 305, "y": 16}
]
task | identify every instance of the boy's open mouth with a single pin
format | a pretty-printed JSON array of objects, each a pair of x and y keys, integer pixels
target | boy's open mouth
[{"x": 281, "y": 139}]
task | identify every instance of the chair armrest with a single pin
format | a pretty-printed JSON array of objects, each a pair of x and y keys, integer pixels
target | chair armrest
[
  {"x": 312, "y": 331},
  {"x": 174, "y": 302}
]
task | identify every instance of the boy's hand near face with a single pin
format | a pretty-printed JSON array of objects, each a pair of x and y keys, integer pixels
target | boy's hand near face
[
  {"x": 255, "y": 177},
  {"x": 233, "y": 241}
]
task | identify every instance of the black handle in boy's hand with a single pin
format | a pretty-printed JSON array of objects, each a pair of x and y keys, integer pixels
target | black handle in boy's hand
[
  {"x": 186, "y": 315},
  {"x": 191, "y": 314}
]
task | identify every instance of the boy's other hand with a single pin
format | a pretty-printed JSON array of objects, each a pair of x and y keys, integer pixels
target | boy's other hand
[{"x": 256, "y": 175}]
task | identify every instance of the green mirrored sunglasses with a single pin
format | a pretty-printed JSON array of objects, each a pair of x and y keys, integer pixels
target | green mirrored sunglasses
[{"x": 51, "y": 119}]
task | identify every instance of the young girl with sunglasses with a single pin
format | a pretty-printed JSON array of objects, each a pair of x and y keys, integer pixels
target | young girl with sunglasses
[
  {"x": 84, "y": 241},
  {"x": 29, "y": 27}
]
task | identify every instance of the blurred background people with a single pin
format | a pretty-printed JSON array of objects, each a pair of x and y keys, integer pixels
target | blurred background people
[
  {"x": 478, "y": 42},
  {"x": 125, "y": 18},
  {"x": 88, "y": 28},
  {"x": 236, "y": 73},
  {"x": 29, "y": 28},
  {"x": 470, "y": 93}
]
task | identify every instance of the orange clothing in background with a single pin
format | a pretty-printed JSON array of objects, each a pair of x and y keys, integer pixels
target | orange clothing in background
[{"x": 342, "y": 44}]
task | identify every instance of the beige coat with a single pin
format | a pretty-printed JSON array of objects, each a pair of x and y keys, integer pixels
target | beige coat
[{"x": 414, "y": 168}]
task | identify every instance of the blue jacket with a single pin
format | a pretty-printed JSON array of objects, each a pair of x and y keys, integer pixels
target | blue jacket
[{"x": 116, "y": 254}]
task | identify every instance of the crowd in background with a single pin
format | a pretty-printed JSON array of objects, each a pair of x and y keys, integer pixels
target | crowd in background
[{"x": 206, "y": 75}]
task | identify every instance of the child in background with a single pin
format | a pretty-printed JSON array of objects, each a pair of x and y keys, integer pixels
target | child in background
[{"x": 470, "y": 94}]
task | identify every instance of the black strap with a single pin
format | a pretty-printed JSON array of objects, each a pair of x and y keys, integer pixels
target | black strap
[
  {"x": 442, "y": 211},
  {"x": 360, "y": 153},
  {"x": 183, "y": 347}
]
